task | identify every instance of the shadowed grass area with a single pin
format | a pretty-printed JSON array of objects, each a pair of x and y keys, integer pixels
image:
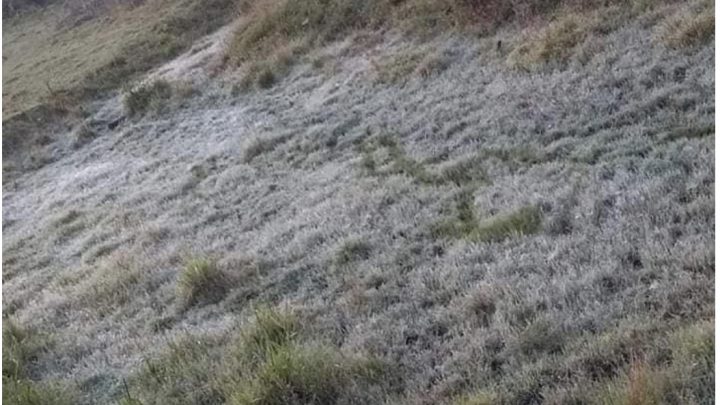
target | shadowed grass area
[{"x": 20, "y": 348}]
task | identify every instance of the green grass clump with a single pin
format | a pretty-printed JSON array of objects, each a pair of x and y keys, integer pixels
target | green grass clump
[
  {"x": 147, "y": 97},
  {"x": 294, "y": 374},
  {"x": 201, "y": 281},
  {"x": 272, "y": 329},
  {"x": 524, "y": 221}
]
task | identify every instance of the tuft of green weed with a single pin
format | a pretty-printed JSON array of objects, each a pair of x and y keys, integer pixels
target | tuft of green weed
[
  {"x": 201, "y": 281},
  {"x": 524, "y": 221}
]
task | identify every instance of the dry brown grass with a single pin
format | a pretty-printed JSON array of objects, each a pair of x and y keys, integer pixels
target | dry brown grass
[
  {"x": 554, "y": 43},
  {"x": 689, "y": 29},
  {"x": 48, "y": 61}
]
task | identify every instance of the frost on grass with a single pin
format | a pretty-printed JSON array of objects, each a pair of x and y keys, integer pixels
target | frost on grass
[{"x": 484, "y": 235}]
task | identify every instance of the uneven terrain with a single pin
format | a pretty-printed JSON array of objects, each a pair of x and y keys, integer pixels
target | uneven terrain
[{"x": 456, "y": 219}]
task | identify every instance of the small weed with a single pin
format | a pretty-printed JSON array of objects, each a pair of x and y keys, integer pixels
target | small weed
[{"x": 201, "y": 281}]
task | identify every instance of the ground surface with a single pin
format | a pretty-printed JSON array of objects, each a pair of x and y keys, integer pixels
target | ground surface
[{"x": 612, "y": 151}]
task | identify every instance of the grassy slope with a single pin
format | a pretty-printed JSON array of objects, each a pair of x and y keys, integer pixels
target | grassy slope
[
  {"x": 44, "y": 48},
  {"x": 436, "y": 223}
]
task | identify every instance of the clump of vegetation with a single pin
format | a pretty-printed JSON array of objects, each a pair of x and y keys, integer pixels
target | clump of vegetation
[
  {"x": 552, "y": 44},
  {"x": 465, "y": 172},
  {"x": 155, "y": 96},
  {"x": 151, "y": 96},
  {"x": 353, "y": 250},
  {"x": 540, "y": 336},
  {"x": 433, "y": 64},
  {"x": 112, "y": 285},
  {"x": 689, "y": 29},
  {"x": 399, "y": 162},
  {"x": 267, "y": 72},
  {"x": 398, "y": 68},
  {"x": 83, "y": 134},
  {"x": 305, "y": 374},
  {"x": 271, "y": 329},
  {"x": 524, "y": 221},
  {"x": 477, "y": 398},
  {"x": 201, "y": 281},
  {"x": 258, "y": 146}
]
